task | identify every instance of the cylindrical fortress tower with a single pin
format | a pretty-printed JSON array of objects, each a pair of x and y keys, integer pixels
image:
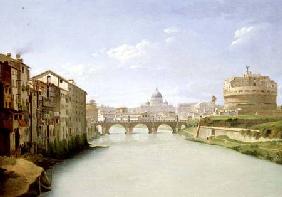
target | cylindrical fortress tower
[{"x": 250, "y": 94}]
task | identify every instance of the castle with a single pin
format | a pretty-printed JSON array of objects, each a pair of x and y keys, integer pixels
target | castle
[{"x": 250, "y": 94}]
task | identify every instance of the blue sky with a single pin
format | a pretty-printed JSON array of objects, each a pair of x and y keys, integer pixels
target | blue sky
[{"x": 119, "y": 51}]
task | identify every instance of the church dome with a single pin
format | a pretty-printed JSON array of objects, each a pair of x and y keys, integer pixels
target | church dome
[{"x": 157, "y": 94}]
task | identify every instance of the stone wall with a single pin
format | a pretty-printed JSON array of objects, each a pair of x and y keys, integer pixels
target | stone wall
[{"x": 239, "y": 134}]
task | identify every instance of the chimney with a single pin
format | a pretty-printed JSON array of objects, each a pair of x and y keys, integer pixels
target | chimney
[
  {"x": 18, "y": 56},
  {"x": 9, "y": 55},
  {"x": 71, "y": 81}
]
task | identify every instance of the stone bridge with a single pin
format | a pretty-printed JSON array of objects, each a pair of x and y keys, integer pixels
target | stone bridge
[{"x": 152, "y": 125}]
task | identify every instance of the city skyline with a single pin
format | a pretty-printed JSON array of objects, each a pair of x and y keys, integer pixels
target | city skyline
[{"x": 121, "y": 51}]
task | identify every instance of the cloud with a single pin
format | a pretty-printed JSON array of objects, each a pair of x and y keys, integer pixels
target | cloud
[
  {"x": 171, "y": 30},
  {"x": 242, "y": 34},
  {"x": 170, "y": 39},
  {"x": 126, "y": 52},
  {"x": 136, "y": 66}
]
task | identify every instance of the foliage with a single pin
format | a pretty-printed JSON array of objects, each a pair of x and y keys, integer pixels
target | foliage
[
  {"x": 270, "y": 129},
  {"x": 243, "y": 117},
  {"x": 241, "y": 121}
]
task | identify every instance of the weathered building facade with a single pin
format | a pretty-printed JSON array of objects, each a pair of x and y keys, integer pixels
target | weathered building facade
[
  {"x": 250, "y": 94},
  {"x": 14, "y": 104},
  {"x": 37, "y": 112},
  {"x": 91, "y": 118},
  {"x": 43, "y": 102},
  {"x": 69, "y": 106}
]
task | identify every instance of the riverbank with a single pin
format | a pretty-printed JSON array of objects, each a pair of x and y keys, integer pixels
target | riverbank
[
  {"x": 20, "y": 177},
  {"x": 26, "y": 175},
  {"x": 270, "y": 150}
]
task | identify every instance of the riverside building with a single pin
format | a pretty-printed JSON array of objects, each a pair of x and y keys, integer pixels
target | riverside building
[
  {"x": 14, "y": 104},
  {"x": 70, "y": 106}
]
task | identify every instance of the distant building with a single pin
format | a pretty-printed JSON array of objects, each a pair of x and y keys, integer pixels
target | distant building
[
  {"x": 157, "y": 108},
  {"x": 121, "y": 110},
  {"x": 195, "y": 110},
  {"x": 106, "y": 113},
  {"x": 14, "y": 104},
  {"x": 91, "y": 117},
  {"x": 91, "y": 111},
  {"x": 185, "y": 110},
  {"x": 250, "y": 94}
]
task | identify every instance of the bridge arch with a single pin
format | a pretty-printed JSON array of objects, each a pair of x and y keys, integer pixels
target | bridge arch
[
  {"x": 182, "y": 126},
  {"x": 119, "y": 128},
  {"x": 165, "y": 127},
  {"x": 138, "y": 127},
  {"x": 99, "y": 129}
]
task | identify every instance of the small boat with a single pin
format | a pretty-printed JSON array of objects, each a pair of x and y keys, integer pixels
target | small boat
[{"x": 99, "y": 146}]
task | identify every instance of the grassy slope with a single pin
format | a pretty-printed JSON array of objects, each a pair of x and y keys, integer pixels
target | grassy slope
[
  {"x": 270, "y": 129},
  {"x": 269, "y": 126},
  {"x": 265, "y": 150}
]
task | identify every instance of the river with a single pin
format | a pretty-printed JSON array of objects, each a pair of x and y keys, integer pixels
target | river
[{"x": 163, "y": 165}]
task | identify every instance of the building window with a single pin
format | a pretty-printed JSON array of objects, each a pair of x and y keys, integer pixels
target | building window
[
  {"x": 48, "y": 79},
  {"x": 23, "y": 69}
]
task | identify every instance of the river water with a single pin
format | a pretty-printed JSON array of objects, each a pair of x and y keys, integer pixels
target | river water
[{"x": 163, "y": 165}]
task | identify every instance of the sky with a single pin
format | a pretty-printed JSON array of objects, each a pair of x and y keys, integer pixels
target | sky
[{"x": 119, "y": 51}]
